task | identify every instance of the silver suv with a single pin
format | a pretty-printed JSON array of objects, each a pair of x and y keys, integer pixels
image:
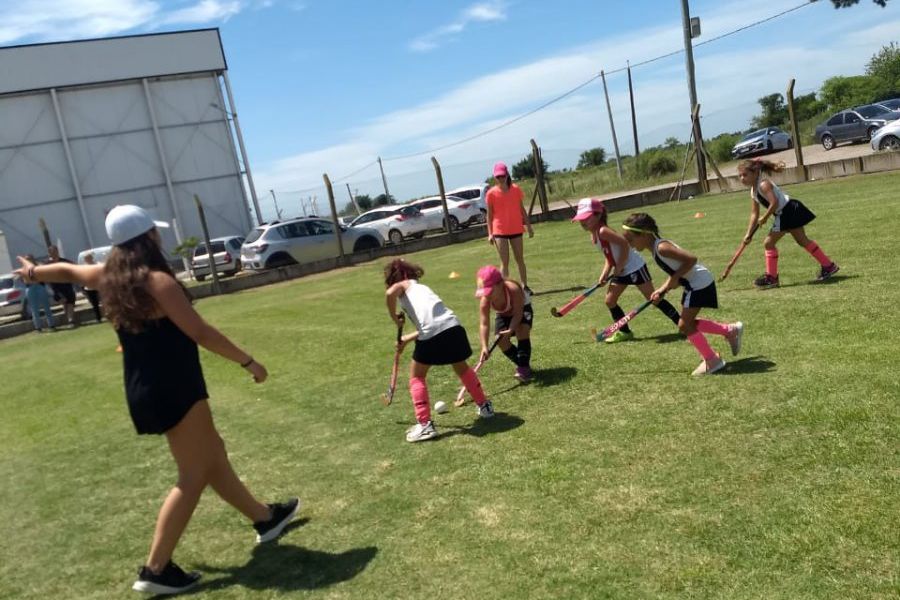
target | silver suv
[{"x": 282, "y": 243}]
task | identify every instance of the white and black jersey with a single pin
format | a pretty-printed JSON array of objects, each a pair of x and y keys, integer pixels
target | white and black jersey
[
  {"x": 789, "y": 213},
  {"x": 697, "y": 278},
  {"x": 426, "y": 310}
]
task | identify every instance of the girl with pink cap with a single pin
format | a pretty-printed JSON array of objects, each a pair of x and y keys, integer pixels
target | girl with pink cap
[
  {"x": 507, "y": 220},
  {"x": 514, "y": 318}
]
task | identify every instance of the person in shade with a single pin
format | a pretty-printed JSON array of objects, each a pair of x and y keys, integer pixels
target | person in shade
[
  {"x": 39, "y": 301},
  {"x": 159, "y": 332},
  {"x": 63, "y": 291},
  {"x": 93, "y": 296},
  {"x": 507, "y": 221}
]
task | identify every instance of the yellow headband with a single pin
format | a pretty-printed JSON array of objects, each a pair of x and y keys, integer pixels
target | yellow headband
[{"x": 637, "y": 230}]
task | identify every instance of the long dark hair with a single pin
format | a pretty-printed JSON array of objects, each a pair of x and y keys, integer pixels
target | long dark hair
[
  {"x": 400, "y": 270},
  {"x": 642, "y": 222},
  {"x": 126, "y": 300}
]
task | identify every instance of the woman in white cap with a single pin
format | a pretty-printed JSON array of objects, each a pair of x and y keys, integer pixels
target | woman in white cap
[
  {"x": 159, "y": 331},
  {"x": 507, "y": 221}
]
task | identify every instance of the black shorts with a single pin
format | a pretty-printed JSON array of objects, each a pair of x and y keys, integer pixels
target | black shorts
[
  {"x": 702, "y": 298},
  {"x": 446, "y": 348},
  {"x": 64, "y": 292},
  {"x": 508, "y": 237},
  {"x": 793, "y": 216},
  {"x": 502, "y": 323},
  {"x": 638, "y": 277}
]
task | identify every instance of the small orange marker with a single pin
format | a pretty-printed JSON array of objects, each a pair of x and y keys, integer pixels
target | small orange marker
[
  {"x": 454, "y": 275},
  {"x": 699, "y": 215}
]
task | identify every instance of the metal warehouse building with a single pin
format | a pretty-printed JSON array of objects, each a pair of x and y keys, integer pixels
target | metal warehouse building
[{"x": 142, "y": 120}]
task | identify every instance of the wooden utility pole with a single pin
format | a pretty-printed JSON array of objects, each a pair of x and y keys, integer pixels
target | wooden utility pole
[
  {"x": 334, "y": 217},
  {"x": 692, "y": 91},
  {"x": 612, "y": 126},
  {"x": 539, "y": 176},
  {"x": 353, "y": 200},
  {"x": 795, "y": 130},
  {"x": 387, "y": 194},
  {"x": 637, "y": 150},
  {"x": 440, "y": 182},
  {"x": 209, "y": 250}
]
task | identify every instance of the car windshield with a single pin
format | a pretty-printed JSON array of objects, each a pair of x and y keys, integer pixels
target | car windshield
[
  {"x": 753, "y": 134},
  {"x": 892, "y": 104},
  {"x": 254, "y": 235},
  {"x": 216, "y": 246},
  {"x": 6, "y": 283},
  {"x": 870, "y": 111}
]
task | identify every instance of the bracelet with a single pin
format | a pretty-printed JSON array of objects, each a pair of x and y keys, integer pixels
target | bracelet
[
  {"x": 30, "y": 273},
  {"x": 247, "y": 364}
]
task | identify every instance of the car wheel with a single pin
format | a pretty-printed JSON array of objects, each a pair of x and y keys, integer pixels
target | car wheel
[
  {"x": 870, "y": 133},
  {"x": 395, "y": 236},
  {"x": 281, "y": 259},
  {"x": 454, "y": 223},
  {"x": 367, "y": 242},
  {"x": 827, "y": 142},
  {"x": 889, "y": 142}
]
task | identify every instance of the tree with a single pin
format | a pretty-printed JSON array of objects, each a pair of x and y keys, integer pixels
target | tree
[
  {"x": 774, "y": 112},
  {"x": 848, "y": 3},
  {"x": 885, "y": 66},
  {"x": 382, "y": 200},
  {"x": 364, "y": 201},
  {"x": 839, "y": 92},
  {"x": 591, "y": 158},
  {"x": 524, "y": 169},
  {"x": 671, "y": 143}
]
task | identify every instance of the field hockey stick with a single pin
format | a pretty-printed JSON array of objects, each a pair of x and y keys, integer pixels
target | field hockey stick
[
  {"x": 388, "y": 397},
  {"x": 576, "y": 300},
  {"x": 620, "y": 323},
  {"x": 460, "y": 397},
  {"x": 740, "y": 250}
]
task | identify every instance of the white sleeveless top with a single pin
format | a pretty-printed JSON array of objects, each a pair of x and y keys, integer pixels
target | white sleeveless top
[
  {"x": 697, "y": 278},
  {"x": 427, "y": 312},
  {"x": 780, "y": 196},
  {"x": 633, "y": 263}
]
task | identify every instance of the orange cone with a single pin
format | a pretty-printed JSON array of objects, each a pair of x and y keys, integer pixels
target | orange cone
[
  {"x": 699, "y": 215},
  {"x": 454, "y": 275}
]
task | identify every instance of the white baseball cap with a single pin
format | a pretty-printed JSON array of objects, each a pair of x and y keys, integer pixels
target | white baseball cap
[{"x": 126, "y": 222}]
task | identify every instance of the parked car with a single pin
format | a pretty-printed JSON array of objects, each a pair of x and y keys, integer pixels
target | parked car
[
  {"x": 303, "y": 240},
  {"x": 879, "y": 110},
  {"x": 476, "y": 192},
  {"x": 395, "y": 223},
  {"x": 888, "y": 137},
  {"x": 892, "y": 104},
  {"x": 227, "y": 253},
  {"x": 761, "y": 141},
  {"x": 99, "y": 253},
  {"x": 12, "y": 297},
  {"x": 848, "y": 126},
  {"x": 462, "y": 212}
]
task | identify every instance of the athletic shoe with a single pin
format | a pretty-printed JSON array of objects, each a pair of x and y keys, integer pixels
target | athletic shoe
[
  {"x": 619, "y": 336},
  {"x": 735, "y": 334},
  {"x": 171, "y": 580},
  {"x": 486, "y": 410},
  {"x": 828, "y": 271},
  {"x": 420, "y": 433},
  {"x": 282, "y": 513},
  {"x": 523, "y": 374},
  {"x": 709, "y": 369},
  {"x": 766, "y": 282}
]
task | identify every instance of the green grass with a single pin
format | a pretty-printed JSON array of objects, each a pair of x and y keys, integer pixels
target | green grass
[{"x": 614, "y": 475}]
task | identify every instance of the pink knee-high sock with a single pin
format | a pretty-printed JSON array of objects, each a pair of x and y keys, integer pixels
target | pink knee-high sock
[
  {"x": 702, "y": 346},
  {"x": 473, "y": 386},
  {"x": 772, "y": 262},
  {"x": 419, "y": 392},
  {"x": 704, "y": 326},
  {"x": 813, "y": 248}
]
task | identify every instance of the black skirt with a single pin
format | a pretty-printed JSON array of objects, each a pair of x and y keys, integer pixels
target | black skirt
[
  {"x": 163, "y": 377},
  {"x": 702, "y": 298},
  {"x": 446, "y": 348},
  {"x": 793, "y": 216}
]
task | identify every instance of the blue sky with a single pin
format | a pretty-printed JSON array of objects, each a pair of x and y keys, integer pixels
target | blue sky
[{"x": 329, "y": 85}]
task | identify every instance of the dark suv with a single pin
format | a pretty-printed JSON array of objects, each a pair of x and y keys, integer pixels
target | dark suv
[{"x": 850, "y": 126}]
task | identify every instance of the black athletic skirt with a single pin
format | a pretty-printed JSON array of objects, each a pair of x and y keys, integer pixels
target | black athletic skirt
[
  {"x": 502, "y": 323},
  {"x": 638, "y": 277},
  {"x": 793, "y": 215},
  {"x": 448, "y": 347},
  {"x": 702, "y": 298}
]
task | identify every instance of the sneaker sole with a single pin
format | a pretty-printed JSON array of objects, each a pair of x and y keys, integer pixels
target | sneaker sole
[
  {"x": 276, "y": 531},
  {"x": 422, "y": 438},
  {"x": 149, "y": 587},
  {"x": 736, "y": 346}
]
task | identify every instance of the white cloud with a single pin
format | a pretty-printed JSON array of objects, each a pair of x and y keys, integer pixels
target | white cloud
[
  {"x": 205, "y": 11},
  {"x": 482, "y": 12}
]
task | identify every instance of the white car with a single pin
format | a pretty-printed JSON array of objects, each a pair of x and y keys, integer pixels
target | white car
[
  {"x": 887, "y": 137},
  {"x": 476, "y": 192},
  {"x": 227, "y": 253},
  {"x": 394, "y": 223},
  {"x": 99, "y": 254},
  {"x": 462, "y": 212},
  {"x": 12, "y": 297}
]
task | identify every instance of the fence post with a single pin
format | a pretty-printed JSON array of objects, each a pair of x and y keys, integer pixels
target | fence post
[
  {"x": 698, "y": 143},
  {"x": 539, "y": 177},
  {"x": 440, "y": 182},
  {"x": 387, "y": 194},
  {"x": 795, "y": 129},
  {"x": 353, "y": 200},
  {"x": 637, "y": 150},
  {"x": 612, "y": 127},
  {"x": 334, "y": 217},
  {"x": 209, "y": 251}
]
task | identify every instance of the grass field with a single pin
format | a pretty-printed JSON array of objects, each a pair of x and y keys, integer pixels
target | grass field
[{"x": 613, "y": 475}]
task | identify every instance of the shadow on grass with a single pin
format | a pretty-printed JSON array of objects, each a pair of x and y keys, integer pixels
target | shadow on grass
[
  {"x": 812, "y": 282},
  {"x": 576, "y": 288},
  {"x": 749, "y": 364},
  {"x": 287, "y": 568},
  {"x": 500, "y": 423},
  {"x": 664, "y": 338},
  {"x": 552, "y": 376}
]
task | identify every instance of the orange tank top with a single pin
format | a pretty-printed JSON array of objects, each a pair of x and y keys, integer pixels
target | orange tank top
[{"x": 506, "y": 210}]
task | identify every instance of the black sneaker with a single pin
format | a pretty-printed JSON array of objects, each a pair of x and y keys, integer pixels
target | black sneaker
[
  {"x": 766, "y": 282},
  {"x": 266, "y": 531},
  {"x": 827, "y": 272},
  {"x": 171, "y": 580}
]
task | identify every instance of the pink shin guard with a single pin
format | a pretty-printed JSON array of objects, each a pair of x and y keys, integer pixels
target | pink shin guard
[
  {"x": 473, "y": 386},
  {"x": 711, "y": 327},
  {"x": 813, "y": 248},
  {"x": 702, "y": 346},
  {"x": 419, "y": 392},
  {"x": 772, "y": 263}
]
